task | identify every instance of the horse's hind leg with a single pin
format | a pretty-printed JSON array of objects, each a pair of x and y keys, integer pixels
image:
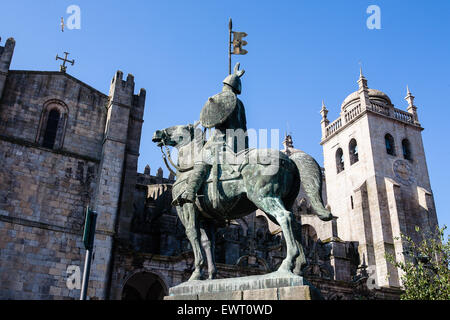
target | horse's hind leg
[
  {"x": 189, "y": 218},
  {"x": 275, "y": 208},
  {"x": 300, "y": 262},
  {"x": 208, "y": 243}
]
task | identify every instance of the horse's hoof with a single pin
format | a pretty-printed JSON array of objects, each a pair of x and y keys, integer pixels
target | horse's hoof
[
  {"x": 285, "y": 268},
  {"x": 212, "y": 276},
  {"x": 283, "y": 273},
  {"x": 195, "y": 277},
  {"x": 298, "y": 272}
]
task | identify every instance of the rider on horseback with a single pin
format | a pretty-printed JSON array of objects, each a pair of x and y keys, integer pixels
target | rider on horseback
[{"x": 224, "y": 112}]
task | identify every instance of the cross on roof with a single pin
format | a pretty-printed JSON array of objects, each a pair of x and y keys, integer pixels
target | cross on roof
[{"x": 63, "y": 67}]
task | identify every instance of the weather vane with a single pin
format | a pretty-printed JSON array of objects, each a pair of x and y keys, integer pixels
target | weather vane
[
  {"x": 235, "y": 44},
  {"x": 63, "y": 67}
]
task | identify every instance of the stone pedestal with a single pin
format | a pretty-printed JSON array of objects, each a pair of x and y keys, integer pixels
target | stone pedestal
[{"x": 273, "y": 286}]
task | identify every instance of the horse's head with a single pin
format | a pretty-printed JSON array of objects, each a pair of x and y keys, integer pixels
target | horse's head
[{"x": 176, "y": 136}]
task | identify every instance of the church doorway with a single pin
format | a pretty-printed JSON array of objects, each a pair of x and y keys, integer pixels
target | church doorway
[{"x": 144, "y": 286}]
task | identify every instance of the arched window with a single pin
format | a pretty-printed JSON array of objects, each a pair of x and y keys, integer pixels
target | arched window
[
  {"x": 340, "y": 160},
  {"x": 390, "y": 146},
  {"x": 52, "y": 126},
  {"x": 353, "y": 149},
  {"x": 406, "y": 147},
  {"x": 51, "y": 129}
]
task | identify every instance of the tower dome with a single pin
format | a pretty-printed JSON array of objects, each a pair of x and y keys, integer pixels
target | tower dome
[
  {"x": 369, "y": 95},
  {"x": 374, "y": 95}
]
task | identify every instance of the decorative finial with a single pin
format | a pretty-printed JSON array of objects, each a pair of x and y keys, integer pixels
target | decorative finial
[
  {"x": 411, "y": 107},
  {"x": 362, "y": 81},
  {"x": 361, "y": 75},
  {"x": 63, "y": 67},
  {"x": 409, "y": 97},
  {"x": 324, "y": 111}
]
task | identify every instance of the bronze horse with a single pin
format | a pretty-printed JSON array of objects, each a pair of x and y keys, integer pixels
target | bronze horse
[{"x": 253, "y": 186}]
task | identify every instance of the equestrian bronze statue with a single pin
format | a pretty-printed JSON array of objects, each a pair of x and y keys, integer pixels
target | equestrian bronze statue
[{"x": 222, "y": 179}]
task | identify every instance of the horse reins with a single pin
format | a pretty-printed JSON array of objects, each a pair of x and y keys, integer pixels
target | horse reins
[{"x": 165, "y": 157}]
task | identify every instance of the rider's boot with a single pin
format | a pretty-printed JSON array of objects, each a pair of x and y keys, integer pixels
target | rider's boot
[{"x": 196, "y": 180}]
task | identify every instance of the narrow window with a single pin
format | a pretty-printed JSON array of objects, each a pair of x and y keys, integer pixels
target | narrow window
[
  {"x": 390, "y": 146},
  {"x": 51, "y": 129},
  {"x": 353, "y": 148},
  {"x": 340, "y": 160},
  {"x": 406, "y": 146},
  {"x": 351, "y": 201}
]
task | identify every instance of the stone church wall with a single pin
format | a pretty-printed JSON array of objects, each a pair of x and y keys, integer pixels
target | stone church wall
[
  {"x": 27, "y": 93},
  {"x": 43, "y": 196},
  {"x": 44, "y": 191}
]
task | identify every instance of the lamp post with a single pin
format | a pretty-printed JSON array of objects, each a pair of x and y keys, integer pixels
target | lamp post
[{"x": 88, "y": 239}]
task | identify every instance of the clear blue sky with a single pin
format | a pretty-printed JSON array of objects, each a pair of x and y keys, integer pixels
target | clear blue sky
[{"x": 300, "y": 52}]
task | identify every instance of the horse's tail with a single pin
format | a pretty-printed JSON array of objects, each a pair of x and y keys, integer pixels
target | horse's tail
[{"x": 311, "y": 180}]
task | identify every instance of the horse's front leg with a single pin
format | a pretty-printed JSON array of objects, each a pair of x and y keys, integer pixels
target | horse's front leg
[
  {"x": 208, "y": 243},
  {"x": 189, "y": 218}
]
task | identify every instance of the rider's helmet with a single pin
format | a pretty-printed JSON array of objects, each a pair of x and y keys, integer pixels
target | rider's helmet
[{"x": 234, "y": 80}]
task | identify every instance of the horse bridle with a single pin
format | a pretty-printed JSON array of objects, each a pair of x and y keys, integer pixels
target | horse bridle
[{"x": 165, "y": 157}]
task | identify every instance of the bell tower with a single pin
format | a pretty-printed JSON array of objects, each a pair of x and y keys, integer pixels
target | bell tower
[{"x": 377, "y": 177}]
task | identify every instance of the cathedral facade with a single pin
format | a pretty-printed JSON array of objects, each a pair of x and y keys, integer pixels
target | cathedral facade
[{"x": 65, "y": 146}]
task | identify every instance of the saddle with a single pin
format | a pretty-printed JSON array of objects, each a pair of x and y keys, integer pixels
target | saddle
[
  {"x": 231, "y": 169},
  {"x": 226, "y": 173}
]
